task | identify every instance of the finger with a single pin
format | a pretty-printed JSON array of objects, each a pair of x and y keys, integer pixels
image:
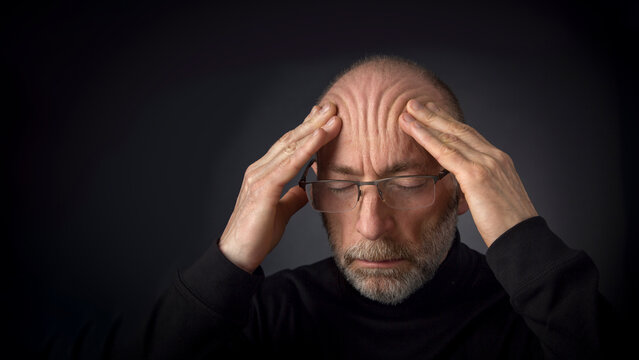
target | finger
[
  {"x": 447, "y": 139},
  {"x": 291, "y": 140},
  {"x": 316, "y": 119},
  {"x": 294, "y": 199},
  {"x": 450, "y": 151},
  {"x": 436, "y": 118},
  {"x": 286, "y": 164},
  {"x": 313, "y": 112},
  {"x": 295, "y": 139}
]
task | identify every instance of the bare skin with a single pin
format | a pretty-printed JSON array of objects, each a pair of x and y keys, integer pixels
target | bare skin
[
  {"x": 493, "y": 190},
  {"x": 490, "y": 185},
  {"x": 370, "y": 146},
  {"x": 260, "y": 215}
]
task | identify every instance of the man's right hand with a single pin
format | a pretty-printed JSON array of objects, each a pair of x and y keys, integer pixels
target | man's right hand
[{"x": 260, "y": 215}]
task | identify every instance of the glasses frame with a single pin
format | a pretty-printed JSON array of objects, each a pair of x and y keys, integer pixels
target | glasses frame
[{"x": 302, "y": 183}]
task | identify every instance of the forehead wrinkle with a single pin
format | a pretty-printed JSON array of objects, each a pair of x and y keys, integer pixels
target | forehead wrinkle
[
  {"x": 398, "y": 105},
  {"x": 405, "y": 147},
  {"x": 387, "y": 120},
  {"x": 383, "y": 125},
  {"x": 371, "y": 100},
  {"x": 361, "y": 136},
  {"x": 342, "y": 96},
  {"x": 395, "y": 144},
  {"x": 373, "y": 103},
  {"x": 353, "y": 101}
]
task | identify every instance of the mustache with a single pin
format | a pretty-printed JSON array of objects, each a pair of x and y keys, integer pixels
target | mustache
[{"x": 377, "y": 250}]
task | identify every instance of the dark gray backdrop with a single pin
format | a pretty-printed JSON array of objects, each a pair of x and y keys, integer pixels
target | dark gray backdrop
[{"x": 130, "y": 127}]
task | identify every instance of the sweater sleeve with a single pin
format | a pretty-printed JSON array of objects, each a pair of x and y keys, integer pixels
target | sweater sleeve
[
  {"x": 204, "y": 312},
  {"x": 553, "y": 287}
]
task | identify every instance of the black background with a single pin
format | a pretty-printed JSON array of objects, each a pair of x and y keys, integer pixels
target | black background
[{"x": 128, "y": 128}]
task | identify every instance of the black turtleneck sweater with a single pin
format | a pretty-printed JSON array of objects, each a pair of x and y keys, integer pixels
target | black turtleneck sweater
[{"x": 530, "y": 297}]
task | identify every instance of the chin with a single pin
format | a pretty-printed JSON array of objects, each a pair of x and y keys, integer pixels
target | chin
[{"x": 389, "y": 286}]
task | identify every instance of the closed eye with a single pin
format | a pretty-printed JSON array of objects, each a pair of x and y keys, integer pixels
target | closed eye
[
  {"x": 408, "y": 184},
  {"x": 339, "y": 186}
]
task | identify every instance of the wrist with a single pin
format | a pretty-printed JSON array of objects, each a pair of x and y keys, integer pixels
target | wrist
[{"x": 238, "y": 257}]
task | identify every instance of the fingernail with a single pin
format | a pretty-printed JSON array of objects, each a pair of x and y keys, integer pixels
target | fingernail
[
  {"x": 416, "y": 105},
  {"x": 325, "y": 108},
  {"x": 408, "y": 118},
  {"x": 432, "y": 106},
  {"x": 330, "y": 123},
  {"x": 314, "y": 109}
]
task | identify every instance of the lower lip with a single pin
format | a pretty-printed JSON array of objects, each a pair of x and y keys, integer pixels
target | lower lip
[{"x": 379, "y": 264}]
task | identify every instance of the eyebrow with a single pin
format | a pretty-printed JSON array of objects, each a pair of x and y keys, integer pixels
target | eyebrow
[{"x": 389, "y": 171}]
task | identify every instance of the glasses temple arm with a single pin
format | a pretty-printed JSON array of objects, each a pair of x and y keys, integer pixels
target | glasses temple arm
[
  {"x": 302, "y": 181},
  {"x": 442, "y": 174}
]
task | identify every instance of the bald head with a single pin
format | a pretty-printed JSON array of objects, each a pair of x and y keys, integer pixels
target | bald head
[
  {"x": 370, "y": 96},
  {"x": 391, "y": 69}
]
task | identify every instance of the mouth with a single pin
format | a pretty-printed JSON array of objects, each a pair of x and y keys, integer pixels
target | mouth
[{"x": 379, "y": 263}]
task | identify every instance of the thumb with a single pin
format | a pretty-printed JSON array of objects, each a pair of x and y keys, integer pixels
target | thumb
[{"x": 294, "y": 199}]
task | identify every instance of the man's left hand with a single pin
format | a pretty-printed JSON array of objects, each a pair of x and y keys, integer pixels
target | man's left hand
[{"x": 487, "y": 177}]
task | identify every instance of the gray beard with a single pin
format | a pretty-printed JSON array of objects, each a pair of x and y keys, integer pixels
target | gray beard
[{"x": 394, "y": 285}]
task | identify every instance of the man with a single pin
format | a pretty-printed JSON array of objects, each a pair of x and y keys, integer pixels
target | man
[{"x": 395, "y": 166}]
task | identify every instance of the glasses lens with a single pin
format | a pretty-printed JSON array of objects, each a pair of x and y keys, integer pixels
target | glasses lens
[
  {"x": 332, "y": 196},
  {"x": 409, "y": 192}
]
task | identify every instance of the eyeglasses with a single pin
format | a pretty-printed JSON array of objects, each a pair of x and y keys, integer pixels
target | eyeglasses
[{"x": 398, "y": 192}]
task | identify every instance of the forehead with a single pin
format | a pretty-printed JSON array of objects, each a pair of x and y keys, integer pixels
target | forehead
[{"x": 371, "y": 139}]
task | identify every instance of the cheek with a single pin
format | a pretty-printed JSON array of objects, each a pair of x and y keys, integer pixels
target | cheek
[
  {"x": 342, "y": 229},
  {"x": 411, "y": 223}
]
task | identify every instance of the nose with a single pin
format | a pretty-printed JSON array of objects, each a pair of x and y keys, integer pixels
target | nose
[{"x": 374, "y": 217}]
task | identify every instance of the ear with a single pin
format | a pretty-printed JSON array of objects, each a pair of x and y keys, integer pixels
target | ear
[{"x": 462, "y": 204}]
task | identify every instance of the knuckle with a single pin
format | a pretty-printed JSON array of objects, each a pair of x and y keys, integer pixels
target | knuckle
[
  {"x": 479, "y": 172},
  {"x": 290, "y": 147},
  {"x": 493, "y": 162},
  {"x": 503, "y": 157},
  {"x": 449, "y": 138},
  {"x": 250, "y": 170},
  {"x": 251, "y": 175},
  {"x": 285, "y": 161},
  {"x": 249, "y": 180},
  {"x": 460, "y": 128},
  {"x": 286, "y": 137},
  {"x": 429, "y": 116},
  {"x": 448, "y": 151},
  {"x": 313, "y": 112}
]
